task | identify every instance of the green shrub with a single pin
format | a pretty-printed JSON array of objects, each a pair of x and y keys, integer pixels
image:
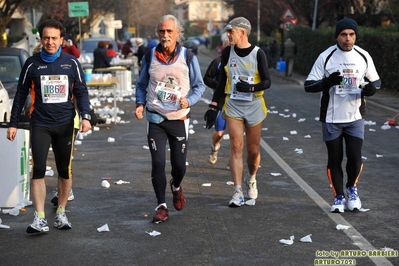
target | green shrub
[{"x": 381, "y": 43}]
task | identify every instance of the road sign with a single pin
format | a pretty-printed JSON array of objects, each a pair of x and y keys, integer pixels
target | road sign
[
  {"x": 78, "y": 9},
  {"x": 288, "y": 14},
  {"x": 132, "y": 30},
  {"x": 117, "y": 24},
  {"x": 287, "y": 25}
]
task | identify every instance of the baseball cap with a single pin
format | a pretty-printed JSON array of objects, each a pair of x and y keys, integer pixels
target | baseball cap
[{"x": 239, "y": 22}]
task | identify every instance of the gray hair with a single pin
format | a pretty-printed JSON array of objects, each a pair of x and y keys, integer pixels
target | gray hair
[{"x": 178, "y": 26}]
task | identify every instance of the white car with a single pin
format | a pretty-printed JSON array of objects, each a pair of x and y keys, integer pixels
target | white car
[{"x": 5, "y": 108}]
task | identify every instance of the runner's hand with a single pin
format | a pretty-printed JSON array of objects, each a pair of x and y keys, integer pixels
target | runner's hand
[
  {"x": 243, "y": 86},
  {"x": 332, "y": 80},
  {"x": 369, "y": 90},
  {"x": 210, "y": 116}
]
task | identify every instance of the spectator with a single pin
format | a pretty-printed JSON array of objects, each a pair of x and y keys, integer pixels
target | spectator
[
  {"x": 141, "y": 49},
  {"x": 69, "y": 48},
  {"x": 110, "y": 51},
  {"x": 127, "y": 49},
  {"x": 288, "y": 53},
  {"x": 274, "y": 52},
  {"x": 266, "y": 48},
  {"x": 101, "y": 60}
]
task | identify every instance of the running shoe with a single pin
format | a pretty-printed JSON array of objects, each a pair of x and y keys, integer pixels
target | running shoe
[
  {"x": 39, "y": 225},
  {"x": 54, "y": 200},
  {"x": 213, "y": 156},
  {"x": 61, "y": 221},
  {"x": 228, "y": 166},
  {"x": 179, "y": 200},
  {"x": 339, "y": 204},
  {"x": 237, "y": 200},
  {"x": 161, "y": 215},
  {"x": 353, "y": 199},
  {"x": 252, "y": 189}
]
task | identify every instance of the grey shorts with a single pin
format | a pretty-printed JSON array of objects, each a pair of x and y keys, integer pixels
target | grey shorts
[
  {"x": 332, "y": 131},
  {"x": 252, "y": 113}
]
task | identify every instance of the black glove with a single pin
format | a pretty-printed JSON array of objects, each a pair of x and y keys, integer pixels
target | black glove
[
  {"x": 333, "y": 79},
  {"x": 93, "y": 120},
  {"x": 369, "y": 90},
  {"x": 210, "y": 116},
  {"x": 243, "y": 86}
]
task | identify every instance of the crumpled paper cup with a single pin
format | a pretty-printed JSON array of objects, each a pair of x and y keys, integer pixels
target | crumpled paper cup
[{"x": 104, "y": 228}]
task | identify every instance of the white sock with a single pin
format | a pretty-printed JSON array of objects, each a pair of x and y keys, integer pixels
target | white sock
[
  {"x": 238, "y": 188},
  {"x": 252, "y": 178},
  {"x": 162, "y": 204},
  {"x": 175, "y": 188}
]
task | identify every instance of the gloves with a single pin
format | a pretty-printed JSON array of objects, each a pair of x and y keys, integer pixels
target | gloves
[
  {"x": 369, "y": 90},
  {"x": 333, "y": 79},
  {"x": 210, "y": 116},
  {"x": 93, "y": 120},
  {"x": 243, "y": 86}
]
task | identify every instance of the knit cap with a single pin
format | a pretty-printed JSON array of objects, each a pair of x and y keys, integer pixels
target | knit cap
[{"x": 344, "y": 24}]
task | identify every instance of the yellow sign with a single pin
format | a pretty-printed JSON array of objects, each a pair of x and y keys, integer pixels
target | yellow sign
[{"x": 132, "y": 30}]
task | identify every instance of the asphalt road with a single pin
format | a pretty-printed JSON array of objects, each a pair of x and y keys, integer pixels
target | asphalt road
[{"x": 294, "y": 197}]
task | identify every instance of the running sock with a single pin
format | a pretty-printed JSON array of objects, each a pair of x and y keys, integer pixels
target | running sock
[
  {"x": 252, "y": 178},
  {"x": 41, "y": 214},
  {"x": 162, "y": 204},
  {"x": 60, "y": 209},
  {"x": 175, "y": 188},
  {"x": 238, "y": 188}
]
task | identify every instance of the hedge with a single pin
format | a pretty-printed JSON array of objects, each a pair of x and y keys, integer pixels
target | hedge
[{"x": 381, "y": 43}]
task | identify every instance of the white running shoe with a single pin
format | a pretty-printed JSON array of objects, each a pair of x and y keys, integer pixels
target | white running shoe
[
  {"x": 54, "y": 200},
  {"x": 237, "y": 200},
  {"x": 39, "y": 225},
  {"x": 61, "y": 221},
  {"x": 339, "y": 204},
  {"x": 353, "y": 199},
  {"x": 252, "y": 189}
]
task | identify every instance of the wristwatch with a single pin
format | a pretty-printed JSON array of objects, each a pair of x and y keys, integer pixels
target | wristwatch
[{"x": 87, "y": 117}]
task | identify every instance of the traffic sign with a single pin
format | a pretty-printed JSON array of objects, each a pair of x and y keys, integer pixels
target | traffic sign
[
  {"x": 288, "y": 15},
  {"x": 132, "y": 30},
  {"x": 117, "y": 24},
  {"x": 78, "y": 9}
]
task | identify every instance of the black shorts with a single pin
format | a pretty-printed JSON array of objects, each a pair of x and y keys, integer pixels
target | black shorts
[{"x": 61, "y": 139}]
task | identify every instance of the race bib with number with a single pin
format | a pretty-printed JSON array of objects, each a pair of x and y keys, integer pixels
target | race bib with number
[
  {"x": 349, "y": 84},
  {"x": 168, "y": 96},
  {"x": 242, "y": 96},
  {"x": 54, "y": 88}
]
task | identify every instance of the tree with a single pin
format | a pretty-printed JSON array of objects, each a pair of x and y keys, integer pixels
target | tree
[{"x": 7, "y": 9}]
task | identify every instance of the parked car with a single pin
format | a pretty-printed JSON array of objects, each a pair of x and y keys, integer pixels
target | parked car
[
  {"x": 4, "y": 104},
  {"x": 192, "y": 46},
  {"x": 90, "y": 44},
  {"x": 11, "y": 63}
]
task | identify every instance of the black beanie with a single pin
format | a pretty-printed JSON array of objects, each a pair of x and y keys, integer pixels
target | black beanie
[{"x": 344, "y": 24}]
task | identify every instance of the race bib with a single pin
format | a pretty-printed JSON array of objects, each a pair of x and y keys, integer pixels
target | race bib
[
  {"x": 168, "y": 96},
  {"x": 54, "y": 88},
  {"x": 349, "y": 84},
  {"x": 242, "y": 96}
]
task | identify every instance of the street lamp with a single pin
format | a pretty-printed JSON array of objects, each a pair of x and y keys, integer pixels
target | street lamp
[{"x": 258, "y": 32}]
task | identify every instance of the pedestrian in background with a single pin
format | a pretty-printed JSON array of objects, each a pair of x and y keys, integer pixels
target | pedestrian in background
[
  {"x": 274, "y": 53},
  {"x": 288, "y": 53},
  {"x": 141, "y": 49},
  {"x": 344, "y": 74},
  {"x": 101, "y": 60},
  {"x": 242, "y": 83},
  {"x": 170, "y": 83},
  {"x": 111, "y": 53},
  {"x": 211, "y": 80},
  {"x": 267, "y": 49},
  {"x": 69, "y": 48},
  {"x": 55, "y": 79}
]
